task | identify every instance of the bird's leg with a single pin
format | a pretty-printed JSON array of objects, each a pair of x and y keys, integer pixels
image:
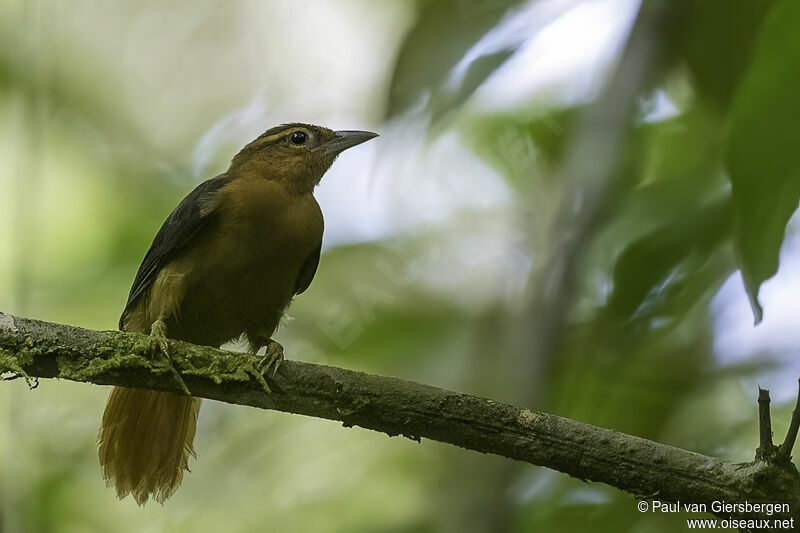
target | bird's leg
[
  {"x": 273, "y": 357},
  {"x": 158, "y": 335}
]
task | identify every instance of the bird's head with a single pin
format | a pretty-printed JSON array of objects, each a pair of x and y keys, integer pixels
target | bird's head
[{"x": 298, "y": 154}]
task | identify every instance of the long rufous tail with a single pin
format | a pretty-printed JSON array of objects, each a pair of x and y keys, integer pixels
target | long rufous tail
[{"x": 145, "y": 441}]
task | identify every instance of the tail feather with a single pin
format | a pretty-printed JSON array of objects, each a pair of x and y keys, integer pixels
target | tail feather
[{"x": 145, "y": 441}]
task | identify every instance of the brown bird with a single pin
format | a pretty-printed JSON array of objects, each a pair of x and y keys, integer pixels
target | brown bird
[{"x": 226, "y": 263}]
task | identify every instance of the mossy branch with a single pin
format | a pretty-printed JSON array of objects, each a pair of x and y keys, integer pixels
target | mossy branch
[{"x": 35, "y": 349}]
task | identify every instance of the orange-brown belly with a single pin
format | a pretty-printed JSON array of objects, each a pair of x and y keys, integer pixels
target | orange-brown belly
[{"x": 241, "y": 274}]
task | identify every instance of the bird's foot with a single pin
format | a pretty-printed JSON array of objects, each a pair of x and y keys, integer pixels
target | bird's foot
[
  {"x": 271, "y": 359},
  {"x": 158, "y": 338}
]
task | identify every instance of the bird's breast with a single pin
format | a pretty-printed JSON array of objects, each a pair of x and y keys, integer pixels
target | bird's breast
[
  {"x": 266, "y": 217},
  {"x": 242, "y": 276}
]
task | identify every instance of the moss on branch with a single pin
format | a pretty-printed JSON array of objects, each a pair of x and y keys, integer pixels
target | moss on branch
[{"x": 35, "y": 349}]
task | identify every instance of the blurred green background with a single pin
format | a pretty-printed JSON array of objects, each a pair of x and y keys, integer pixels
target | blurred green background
[{"x": 568, "y": 207}]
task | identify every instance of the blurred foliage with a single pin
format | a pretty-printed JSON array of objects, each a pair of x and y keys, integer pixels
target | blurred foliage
[
  {"x": 95, "y": 149},
  {"x": 429, "y": 54},
  {"x": 764, "y": 135},
  {"x": 715, "y": 40}
]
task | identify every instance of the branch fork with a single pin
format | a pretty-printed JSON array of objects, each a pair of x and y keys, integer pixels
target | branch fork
[{"x": 767, "y": 451}]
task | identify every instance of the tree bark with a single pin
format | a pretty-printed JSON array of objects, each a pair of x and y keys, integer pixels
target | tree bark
[{"x": 32, "y": 349}]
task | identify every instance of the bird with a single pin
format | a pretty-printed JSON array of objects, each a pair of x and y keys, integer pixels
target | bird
[{"x": 225, "y": 265}]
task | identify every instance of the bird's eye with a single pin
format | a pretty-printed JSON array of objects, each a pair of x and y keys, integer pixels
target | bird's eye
[{"x": 298, "y": 138}]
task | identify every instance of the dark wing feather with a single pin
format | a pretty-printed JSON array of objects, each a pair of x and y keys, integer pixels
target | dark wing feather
[
  {"x": 307, "y": 271},
  {"x": 185, "y": 221}
]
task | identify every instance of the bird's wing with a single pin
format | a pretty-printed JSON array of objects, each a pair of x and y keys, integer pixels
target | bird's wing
[
  {"x": 307, "y": 271},
  {"x": 181, "y": 226}
]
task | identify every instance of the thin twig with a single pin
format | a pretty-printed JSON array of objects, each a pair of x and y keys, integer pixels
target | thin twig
[
  {"x": 785, "y": 451},
  {"x": 766, "y": 448}
]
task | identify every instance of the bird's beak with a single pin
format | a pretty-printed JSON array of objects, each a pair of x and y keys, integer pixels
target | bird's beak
[{"x": 345, "y": 139}]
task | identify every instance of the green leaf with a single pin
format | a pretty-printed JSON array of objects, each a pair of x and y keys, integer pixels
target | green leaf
[
  {"x": 762, "y": 155},
  {"x": 444, "y": 31},
  {"x": 647, "y": 263},
  {"x": 718, "y": 47}
]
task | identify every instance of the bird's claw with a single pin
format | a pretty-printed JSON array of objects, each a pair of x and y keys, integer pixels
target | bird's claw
[
  {"x": 158, "y": 335},
  {"x": 272, "y": 358}
]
